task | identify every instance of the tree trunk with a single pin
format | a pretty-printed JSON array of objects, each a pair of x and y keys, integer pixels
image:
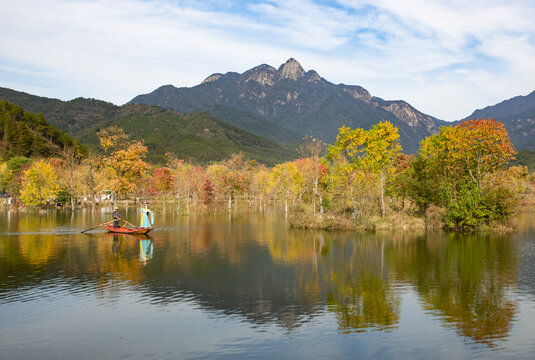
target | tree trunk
[
  {"x": 316, "y": 181},
  {"x": 381, "y": 177},
  {"x": 316, "y": 192},
  {"x": 355, "y": 204},
  {"x": 71, "y": 183}
]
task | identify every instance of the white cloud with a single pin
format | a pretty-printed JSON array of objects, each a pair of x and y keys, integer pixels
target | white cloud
[{"x": 444, "y": 57}]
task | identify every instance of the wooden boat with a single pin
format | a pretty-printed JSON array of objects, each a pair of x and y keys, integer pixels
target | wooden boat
[{"x": 124, "y": 230}]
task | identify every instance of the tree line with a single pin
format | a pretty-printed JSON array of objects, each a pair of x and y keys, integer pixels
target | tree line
[{"x": 457, "y": 180}]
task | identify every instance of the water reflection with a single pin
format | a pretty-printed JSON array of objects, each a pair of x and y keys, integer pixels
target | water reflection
[
  {"x": 145, "y": 250},
  {"x": 467, "y": 280},
  {"x": 361, "y": 292},
  {"x": 116, "y": 246},
  {"x": 255, "y": 267}
]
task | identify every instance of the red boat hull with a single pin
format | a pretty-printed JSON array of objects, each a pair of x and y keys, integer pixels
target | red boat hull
[{"x": 123, "y": 230}]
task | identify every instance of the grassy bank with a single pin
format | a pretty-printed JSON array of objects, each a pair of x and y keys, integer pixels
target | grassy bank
[{"x": 396, "y": 221}]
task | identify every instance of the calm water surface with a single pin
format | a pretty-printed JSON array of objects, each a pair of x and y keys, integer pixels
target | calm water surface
[{"x": 247, "y": 286}]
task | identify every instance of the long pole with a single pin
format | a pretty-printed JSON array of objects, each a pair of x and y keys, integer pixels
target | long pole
[
  {"x": 130, "y": 223},
  {"x": 99, "y": 225}
]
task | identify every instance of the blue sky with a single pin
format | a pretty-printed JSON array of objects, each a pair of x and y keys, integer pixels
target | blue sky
[{"x": 446, "y": 58}]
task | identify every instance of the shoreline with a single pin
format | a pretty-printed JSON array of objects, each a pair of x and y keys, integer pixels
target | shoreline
[{"x": 298, "y": 218}]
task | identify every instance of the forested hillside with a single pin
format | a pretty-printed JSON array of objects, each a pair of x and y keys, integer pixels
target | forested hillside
[
  {"x": 26, "y": 134},
  {"x": 525, "y": 158},
  {"x": 253, "y": 123},
  {"x": 197, "y": 137}
]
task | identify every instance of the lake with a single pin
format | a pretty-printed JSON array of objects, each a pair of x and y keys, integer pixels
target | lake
[{"x": 245, "y": 285}]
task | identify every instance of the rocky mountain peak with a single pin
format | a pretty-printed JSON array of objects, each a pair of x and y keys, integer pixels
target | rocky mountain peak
[
  {"x": 313, "y": 76},
  {"x": 302, "y": 102},
  {"x": 358, "y": 92},
  {"x": 262, "y": 74},
  {"x": 212, "y": 77},
  {"x": 291, "y": 69}
]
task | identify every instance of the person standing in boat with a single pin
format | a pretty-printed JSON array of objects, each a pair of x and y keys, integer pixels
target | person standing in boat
[
  {"x": 116, "y": 216},
  {"x": 145, "y": 221}
]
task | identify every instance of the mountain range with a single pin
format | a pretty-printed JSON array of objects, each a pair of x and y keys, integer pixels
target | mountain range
[
  {"x": 302, "y": 103},
  {"x": 263, "y": 112}
]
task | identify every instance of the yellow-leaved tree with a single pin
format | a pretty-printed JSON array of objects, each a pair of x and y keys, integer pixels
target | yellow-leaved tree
[
  {"x": 286, "y": 181},
  {"x": 125, "y": 157},
  {"x": 39, "y": 184},
  {"x": 358, "y": 157}
]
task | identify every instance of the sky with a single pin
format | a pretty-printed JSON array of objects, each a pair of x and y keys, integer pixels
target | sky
[{"x": 446, "y": 58}]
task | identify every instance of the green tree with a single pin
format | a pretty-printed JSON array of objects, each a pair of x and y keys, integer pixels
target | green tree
[{"x": 12, "y": 176}]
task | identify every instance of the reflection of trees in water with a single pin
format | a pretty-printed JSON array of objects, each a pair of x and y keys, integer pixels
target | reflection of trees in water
[
  {"x": 27, "y": 261},
  {"x": 360, "y": 291},
  {"x": 238, "y": 275},
  {"x": 347, "y": 273},
  {"x": 468, "y": 280},
  {"x": 255, "y": 267}
]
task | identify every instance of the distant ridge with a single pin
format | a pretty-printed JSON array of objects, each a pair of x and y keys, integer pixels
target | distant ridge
[{"x": 518, "y": 115}]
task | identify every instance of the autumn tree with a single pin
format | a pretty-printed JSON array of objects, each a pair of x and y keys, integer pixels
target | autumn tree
[
  {"x": 162, "y": 180},
  {"x": 313, "y": 173},
  {"x": 346, "y": 158},
  {"x": 312, "y": 148},
  {"x": 189, "y": 179},
  {"x": 72, "y": 157},
  {"x": 359, "y": 156},
  {"x": 40, "y": 183},
  {"x": 461, "y": 159},
  {"x": 230, "y": 177},
  {"x": 125, "y": 157},
  {"x": 207, "y": 192},
  {"x": 260, "y": 183},
  {"x": 471, "y": 149},
  {"x": 286, "y": 181},
  {"x": 382, "y": 148},
  {"x": 237, "y": 178},
  {"x": 90, "y": 167}
]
